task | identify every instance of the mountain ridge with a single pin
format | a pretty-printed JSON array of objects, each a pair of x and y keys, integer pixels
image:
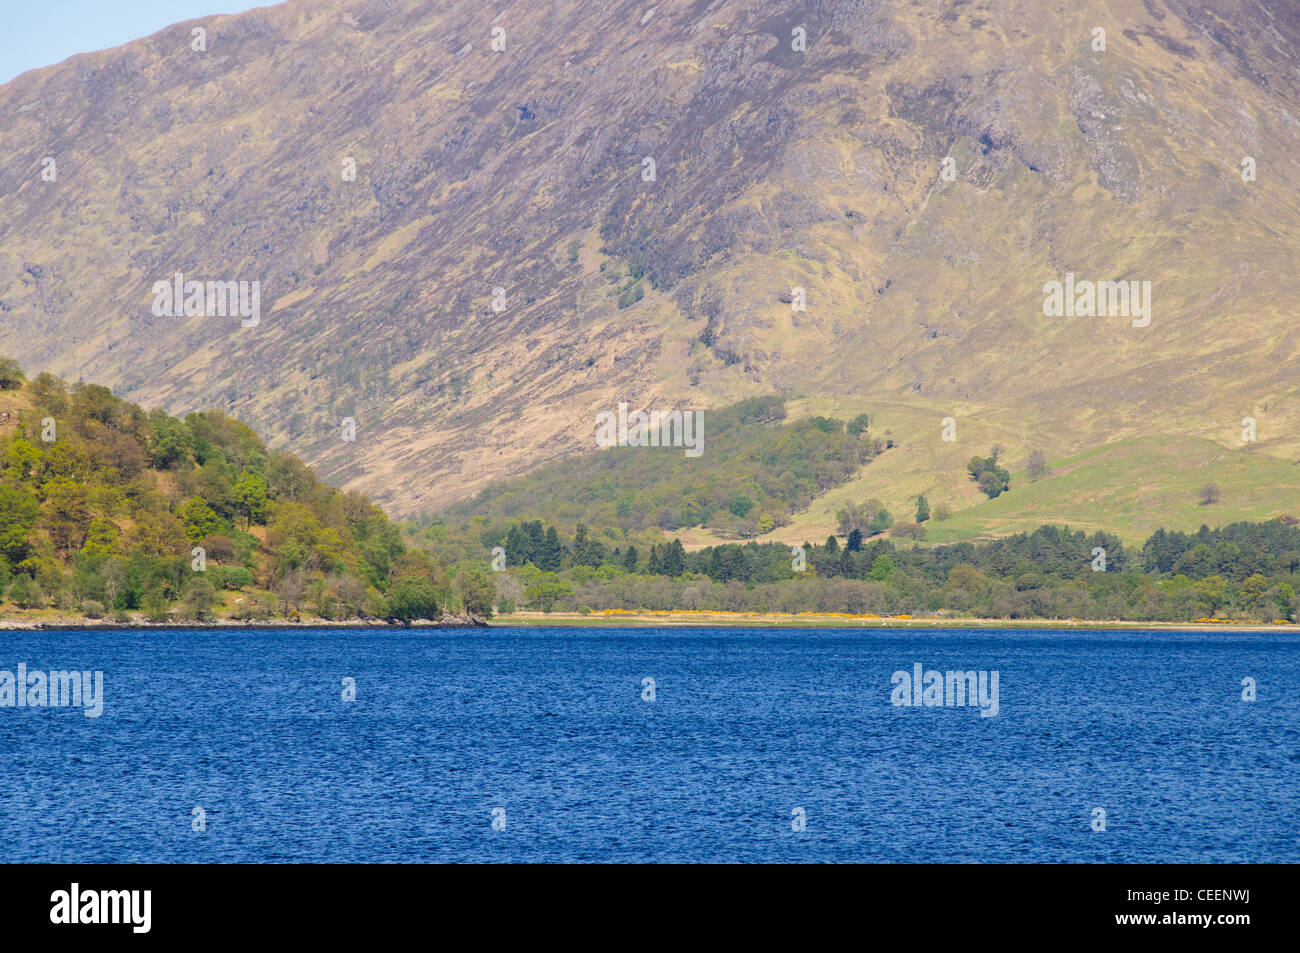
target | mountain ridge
[{"x": 774, "y": 168}]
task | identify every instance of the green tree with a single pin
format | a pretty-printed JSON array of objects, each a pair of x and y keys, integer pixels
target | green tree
[
  {"x": 410, "y": 598},
  {"x": 993, "y": 480},
  {"x": 11, "y": 375},
  {"x": 858, "y": 425},
  {"x": 922, "y": 509},
  {"x": 199, "y": 519},
  {"x": 880, "y": 522},
  {"x": 552, "y": 552},
  {"x": 1285, "y": 599},
  {"x": 1211, "y": 593},
  {"x": 170, "y": 442},
  {"x": 545, "y": 590},
  {"x": 66, "y": 514},
  {"x": 966, "y": 578},
  {"x": 18, "y": 513},
  {"x": 1251, "y": 594},
  {"x": 250, "y": 499},
  {"x": 288, "y": 477},
  {"x": 23, "y": 461},
  {"x": 49, "y": 394},
  {"x": 740, "y": 505},
  {"x": 673, "y": 561},
  {"x": 477, "y": 591},
  {"x": 113, "y": 572},
  {"x": 103, "y": 538},
  {"x": 25, "y": 593},
  {"x": 587, "y": 551},
  {"x": 236, "y": 577},
  {"x": 881, "y": 567}
]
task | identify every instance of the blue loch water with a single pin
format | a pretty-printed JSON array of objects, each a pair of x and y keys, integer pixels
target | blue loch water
[{"x": 548, "y": 732}]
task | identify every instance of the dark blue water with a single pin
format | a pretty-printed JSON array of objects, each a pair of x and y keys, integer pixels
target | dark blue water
[{"x": 550, "y": 726}]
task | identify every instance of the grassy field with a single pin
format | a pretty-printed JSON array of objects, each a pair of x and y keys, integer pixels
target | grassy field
[
  {"x": 1134, "y": 487},
  {"x": 1130, "y": 487}
]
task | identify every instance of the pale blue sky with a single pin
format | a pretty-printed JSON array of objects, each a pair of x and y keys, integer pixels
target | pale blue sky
[{"x": 36, "y": 33}]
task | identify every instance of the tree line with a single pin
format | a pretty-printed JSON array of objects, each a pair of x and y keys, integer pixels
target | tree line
[{"x": 1240, "y": 571}]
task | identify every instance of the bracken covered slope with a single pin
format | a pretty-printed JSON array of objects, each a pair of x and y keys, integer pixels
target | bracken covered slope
[{"x": 524, "y": 169}]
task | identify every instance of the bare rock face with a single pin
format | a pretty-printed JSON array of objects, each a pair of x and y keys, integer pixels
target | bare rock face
[{"x": 646, "y": 190}]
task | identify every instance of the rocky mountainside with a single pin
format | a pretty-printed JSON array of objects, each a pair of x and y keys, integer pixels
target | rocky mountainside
[{"x": 654, "y": 188}]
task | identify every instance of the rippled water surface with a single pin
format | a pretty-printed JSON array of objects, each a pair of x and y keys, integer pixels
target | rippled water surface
[{"x": 550, "y": 726}]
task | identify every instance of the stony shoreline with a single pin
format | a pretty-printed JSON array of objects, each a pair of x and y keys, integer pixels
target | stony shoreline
[
  {"x": 684, "y": 620},
  {"x": 82, "y": 623}
]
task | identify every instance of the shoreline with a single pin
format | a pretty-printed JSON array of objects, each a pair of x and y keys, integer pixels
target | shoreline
[
  {"x": 660, "y": 619},
  {"x": 92, "y": 625},
  {"x": 824, "y": 620}
]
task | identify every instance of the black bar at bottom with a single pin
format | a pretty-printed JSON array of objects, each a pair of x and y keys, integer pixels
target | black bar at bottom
[{"x": 1219, "y": 903}]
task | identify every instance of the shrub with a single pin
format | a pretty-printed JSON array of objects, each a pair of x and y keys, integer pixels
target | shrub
[
  {"x": 993, "y": 480},
  {"x": 26, "y": 594},
  {"x": 156, "y": 606},
  {"x": 236, "y": 577},
  {"x": 11, "y": 375},
  {"x": 908, "y": 531},
  {"x": 199, "y": 599}
]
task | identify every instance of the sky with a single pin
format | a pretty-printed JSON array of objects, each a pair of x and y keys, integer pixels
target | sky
[{"x": 36, "y": 33}]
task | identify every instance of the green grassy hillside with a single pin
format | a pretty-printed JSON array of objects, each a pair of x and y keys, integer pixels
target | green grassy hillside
[
  {"x": 1129, "y": 487},
  {"x": 754, "y": 469}
]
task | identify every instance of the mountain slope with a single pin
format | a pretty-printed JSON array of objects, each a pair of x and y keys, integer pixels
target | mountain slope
[{"x": 774, "y": 168}]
